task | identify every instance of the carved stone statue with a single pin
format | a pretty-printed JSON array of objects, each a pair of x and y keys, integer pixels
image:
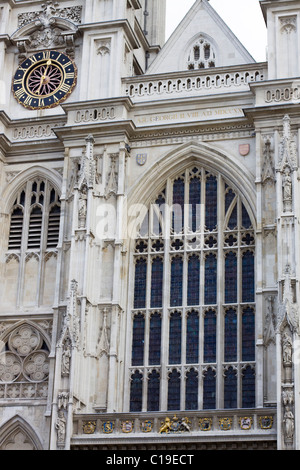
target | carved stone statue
[
  {"x": 287, "y": 349},
  {"x": 66, "y": 356},
  {"x": 82, "y": 209},
  {"x": 60, "y": 426},
  {"x": 289, "y": 424},
  {"x": 287, "y": 190}
]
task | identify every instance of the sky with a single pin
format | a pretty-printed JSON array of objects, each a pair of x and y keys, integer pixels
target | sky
[{"x": 244, "y": 17}]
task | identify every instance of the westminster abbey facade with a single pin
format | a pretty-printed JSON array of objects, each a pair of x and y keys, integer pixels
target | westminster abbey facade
[{"x": 149, "y": 224}]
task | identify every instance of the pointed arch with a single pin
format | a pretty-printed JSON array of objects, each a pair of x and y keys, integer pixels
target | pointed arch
[
  {"x": 16, "y": 184},
  {"x": 17, "y": 434},
  {"x": 176, "y": 162},
  {"x": 26, "y": 322}
]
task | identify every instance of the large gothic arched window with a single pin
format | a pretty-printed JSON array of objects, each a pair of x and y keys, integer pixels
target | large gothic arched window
[
  {"x": 193, "y": 307},
  {"x": 33, "y": 237}
]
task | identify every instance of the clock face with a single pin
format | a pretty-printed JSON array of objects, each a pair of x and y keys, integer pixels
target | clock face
[{"x": 44, "y": 80}]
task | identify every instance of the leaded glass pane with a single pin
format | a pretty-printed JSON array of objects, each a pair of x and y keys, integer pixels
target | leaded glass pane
[
  {"x": 248, "y": 388},
  {"x": 138, "y": 340},
  {"x": 178, "y": 205},
  {"x": 230, "y": 388},
  {"x": 232, "y": 223},
  {"x": 211, "y": 203},
  {"x": 248, "y": 277},
  {"x": 248, "y": 334},
  {"x": 191, "y": 390},
  {"x": 209, "y": 389},
  {"x": 230, "y": 278},
  {"x": 174, "y": 391},
  {"x": 155, "y": 339},
  {"x": 140, "y": 286},
  {"x": 210, "y": 286},
  {"x": 157, "y": 282},
  {"x": 193, "y": 294},
  {"x": 175, "y": 338},
  {"x": 136, "y": 392},
  {"x": 192, "y": 338},
  {"x": 194, "y": 203},
  {"x": 176, "y": 281},
  {"x": 153, "y": 391},
  {"x": 230, "y": 337},
  {"x": 246, "y": 221},
  {"x": 210, "y": 336}
]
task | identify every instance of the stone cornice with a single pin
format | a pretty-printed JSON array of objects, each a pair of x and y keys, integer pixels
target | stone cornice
[{"x": 113, "y": 25}]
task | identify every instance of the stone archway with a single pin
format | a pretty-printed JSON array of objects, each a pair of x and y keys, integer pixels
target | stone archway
[{"x": 17, "y": 434}]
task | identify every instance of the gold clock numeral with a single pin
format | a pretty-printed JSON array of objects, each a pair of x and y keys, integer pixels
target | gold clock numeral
[
  {"x": 18, "y": 81},
  {"x": 65, "y": 88},
  {"x": 33, "y": 59},
  {"x": 41, "y": 102},
  {"x": 28, "y": 100},
  {"x": 67, "y": 64},
  {"x": 46, "y": 55},
  {"x": 20, "y": 93},
  {"x": 69, "y": 75}
]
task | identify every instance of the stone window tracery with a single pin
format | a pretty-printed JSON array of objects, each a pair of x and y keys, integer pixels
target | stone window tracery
[
  {"x": 195, "y": 255},
  {"x": 24, "y": 365},
  {"x": 202, "y": 55},
  {"x": 32, "y": 245}
]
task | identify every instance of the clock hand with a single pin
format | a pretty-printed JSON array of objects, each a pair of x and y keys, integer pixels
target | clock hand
[{"x": 44, "y": 75}]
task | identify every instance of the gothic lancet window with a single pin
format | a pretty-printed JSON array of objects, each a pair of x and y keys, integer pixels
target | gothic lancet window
[
  {"x": 202, "y": 55},
  {"x": 33, "y": 239},
  {"x": 193, "y": 307}
]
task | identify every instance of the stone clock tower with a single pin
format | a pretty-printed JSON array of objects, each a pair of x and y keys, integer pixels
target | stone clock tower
[{"x": 149, "y": 236}]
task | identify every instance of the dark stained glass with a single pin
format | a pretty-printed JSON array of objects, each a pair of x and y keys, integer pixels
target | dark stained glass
[
  {"x": 193, "y": 294},
  {"x": 230, "y": 339},
  {"x": 176, "y": 281},
  {"x": 178, "y": 205},
  {"x": 157, "y": 273},
  {"x": 229, "y": 197},
  {"x": 210, "y": 336},
  {"x": 140, "y": 283},
  {"x": 210, "y": 287},
  {"x": 175, "y": 338},
  {"x": 191, "y": 390},
  {"x": 248, "y": 388},
  {"x": 138, "y": 340},
  {"x": 232, "y": 223},
  {"x": 209, "y": 389},
  {"x": 211, "y": 204},
  {"x": 248, "y": 334},
  {"x": 246, "y": 221},
  {"x": 174, "y": 390},
  {"x": 136, "y": 392},
  {"x": 153, "y": 391},
  {"x": 194, "y": 203},
  {"x": 192, "y": 338},
  {"x": 230, "y": 388},
  {"x": 155, "y": 339},
  {"x": 248, "y": 294},
  {"x": 230, "y": 278}
]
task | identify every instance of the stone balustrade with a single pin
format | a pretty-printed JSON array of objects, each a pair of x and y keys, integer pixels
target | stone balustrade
[{"x": 191, "y": 83}]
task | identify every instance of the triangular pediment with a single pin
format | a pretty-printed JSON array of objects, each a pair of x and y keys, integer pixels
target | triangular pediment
[{"x": 202, "y": 40}]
